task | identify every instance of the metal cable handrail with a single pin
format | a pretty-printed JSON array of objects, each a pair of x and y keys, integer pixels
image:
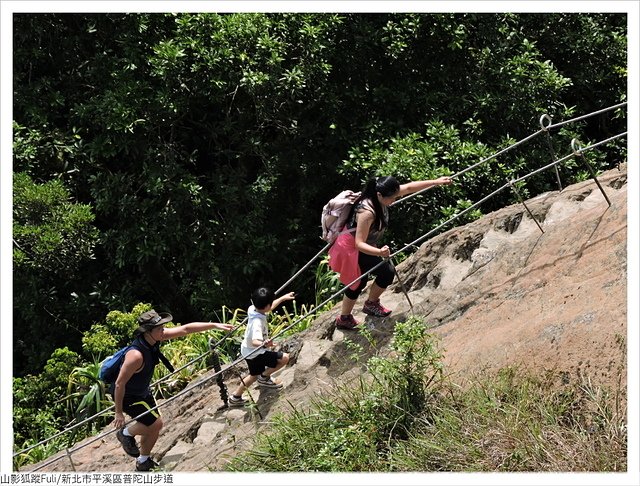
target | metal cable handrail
[
  {"x": 314, "y": 310},
  {"x": 556, "y": 162},
  {"x": 520, "y": 142},
  {"x": 559, "y": 124},
  {"x": 471, "y": 167}
]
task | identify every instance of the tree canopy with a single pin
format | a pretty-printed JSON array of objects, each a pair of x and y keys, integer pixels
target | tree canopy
[{"x": 183, "y": 159}]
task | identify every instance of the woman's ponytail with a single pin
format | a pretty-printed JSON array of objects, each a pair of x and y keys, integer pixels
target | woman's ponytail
[{"x": 386, "y": 186}]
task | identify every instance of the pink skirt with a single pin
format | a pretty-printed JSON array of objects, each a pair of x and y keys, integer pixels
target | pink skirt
[{"x": 343, "y": 259}]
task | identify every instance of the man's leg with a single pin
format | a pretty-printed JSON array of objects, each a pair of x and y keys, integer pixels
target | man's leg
[
  {"x": 148, "y": 434},
  {"x": 147, "y": 426}
]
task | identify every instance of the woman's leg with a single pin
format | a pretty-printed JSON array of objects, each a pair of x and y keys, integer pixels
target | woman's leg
[
  {"x": 384, "y": 277},
  {"x": 375, "y": 292},
  {"x": 347, "y": 305},
  {"x": 350, "y": 295}
]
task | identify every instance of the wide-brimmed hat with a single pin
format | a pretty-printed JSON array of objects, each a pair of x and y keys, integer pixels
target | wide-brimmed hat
[{"x": 150, "y": 319}]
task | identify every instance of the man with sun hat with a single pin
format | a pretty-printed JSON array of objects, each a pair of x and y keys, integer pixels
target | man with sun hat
[{"x": 132, "y": 392}]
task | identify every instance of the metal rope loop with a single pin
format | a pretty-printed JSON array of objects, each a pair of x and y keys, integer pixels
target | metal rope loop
[
  {"x": 544, "y": 118},
  {"x": 576, "y": 147}
]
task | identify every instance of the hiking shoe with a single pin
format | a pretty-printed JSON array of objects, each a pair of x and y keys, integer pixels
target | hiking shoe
[
  {"x": 375, "y": 309},
  {"x": 347, "y": 322},
  {"x": 147, "y": 465},
  {"x": 267, "y": 382},
  {"x": 237, "y": 401},
  {"x": 128, "y": 443}
]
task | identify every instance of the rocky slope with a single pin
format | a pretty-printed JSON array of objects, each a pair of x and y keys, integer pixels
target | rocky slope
[{"x": 497, "y": 292}]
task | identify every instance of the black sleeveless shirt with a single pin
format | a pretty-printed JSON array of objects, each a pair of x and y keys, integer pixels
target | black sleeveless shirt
[{"x": 139, "y": 384}]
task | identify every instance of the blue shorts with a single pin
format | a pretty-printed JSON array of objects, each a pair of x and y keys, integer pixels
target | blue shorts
[{"x": 268, "y": 359}]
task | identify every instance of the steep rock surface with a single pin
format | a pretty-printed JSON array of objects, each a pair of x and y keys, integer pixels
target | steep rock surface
[{"x": 496, "y": 292}]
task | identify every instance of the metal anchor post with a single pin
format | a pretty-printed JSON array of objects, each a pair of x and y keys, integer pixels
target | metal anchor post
[{"x": 577, "y": 152}]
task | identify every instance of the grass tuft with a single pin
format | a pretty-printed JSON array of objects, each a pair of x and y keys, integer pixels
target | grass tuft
[{"x": 404, "y": 414}]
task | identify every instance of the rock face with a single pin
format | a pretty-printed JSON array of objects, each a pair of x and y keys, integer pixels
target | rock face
[
  {"x": 510, "y": 294},
  {"x": 496, "y": 292}
]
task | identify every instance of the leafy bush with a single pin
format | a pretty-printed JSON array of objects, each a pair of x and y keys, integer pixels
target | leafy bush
[
  {"x": 53, "y": 239},
  {"x": 38, "y": 401},
  {"x": 87, "y": 397},
  {"x": 327, "y": 282},
  {"x": 103, "y": 339}
]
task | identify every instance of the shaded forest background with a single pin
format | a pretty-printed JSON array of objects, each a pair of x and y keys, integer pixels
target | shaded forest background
[{"x": 183, "y": 159}]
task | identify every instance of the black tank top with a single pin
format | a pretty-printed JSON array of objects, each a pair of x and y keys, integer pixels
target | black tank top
[{"x": 138, "y": 385}]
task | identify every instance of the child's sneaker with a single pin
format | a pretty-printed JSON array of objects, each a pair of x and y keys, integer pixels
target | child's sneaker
[
  {"x": 128, "y": 443},
  {"x": 147, "y": 465},
  {"x": 375, "y": 308},
  {"x": 267, "y": 382},
  {"x": 346, "y": 322},
  {"x": 236, "y": 401}
]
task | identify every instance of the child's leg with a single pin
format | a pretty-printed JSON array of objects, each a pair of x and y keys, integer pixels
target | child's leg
[
  {"x": 281, "y": 363},
  {"x": 245, "y": 383}
]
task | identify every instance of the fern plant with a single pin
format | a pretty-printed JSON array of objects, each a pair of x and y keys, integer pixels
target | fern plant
[
  {"x": 327, "y": 282},
  {"x": 87, "y": 397}
]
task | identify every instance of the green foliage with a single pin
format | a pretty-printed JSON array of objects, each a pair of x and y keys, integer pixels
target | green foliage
[
  {"x": 47, "y": 425},
  {"x": 38, "y": 403},
  {"x": 327, "y": 282},
  {"x": 58, "y": 366},
  {"x": 284, "y": 324},
  {"x": 87, "y": 397},
  {"x": 410, "y": 376},
  {"x": 103, "y": 339},
  {"x": 52, "y": 146},
  {"x": 440, "y": 151},
  {"x": 52, "y": 237},
  {"x": 51, "y": 234}
]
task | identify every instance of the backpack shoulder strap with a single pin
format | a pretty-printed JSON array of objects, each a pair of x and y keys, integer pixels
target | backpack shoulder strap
[
  {"x": 165, "y": 361},
  {"x": 363, "y": 205},
  {"x": 153, "y": 349}
]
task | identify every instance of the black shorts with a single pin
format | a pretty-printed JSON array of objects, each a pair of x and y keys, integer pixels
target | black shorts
[
  {"x": 134, "y": 406},
  {"x": 268, "y": 359}
]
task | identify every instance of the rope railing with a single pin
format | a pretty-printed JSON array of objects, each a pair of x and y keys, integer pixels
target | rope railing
[
  {"x": 545, "y": 128},
  {"x": 573, "y": 120},
  {"x": 313, "y": 310}
]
